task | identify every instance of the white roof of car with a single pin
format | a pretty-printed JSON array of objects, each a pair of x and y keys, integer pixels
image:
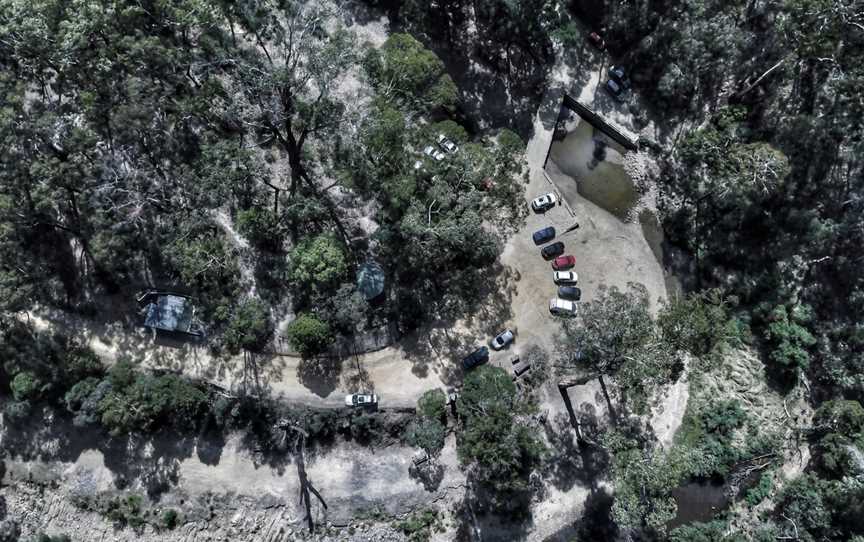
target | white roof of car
[
  {"x": 550, "y": 196},
  {"x": 566, "y": 275},
  {"x": 562, "y": 304}
]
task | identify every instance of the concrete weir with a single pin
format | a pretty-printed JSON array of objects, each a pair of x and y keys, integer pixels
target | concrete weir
[{"x": 625, "y": 139}]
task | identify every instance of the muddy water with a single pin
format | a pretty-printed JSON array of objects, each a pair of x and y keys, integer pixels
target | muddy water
[
  {"x": 698, "y": 501},
  {"x": 594, "y": 163},
  {"x": 585, "y": 163}
]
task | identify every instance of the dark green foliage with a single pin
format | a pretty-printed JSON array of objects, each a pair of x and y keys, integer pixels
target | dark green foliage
[
  {"x": 539, "y": 374},
  {"x": 644, "y": 478},
  {"x": 412, "y": 72},
  {"x": 126, "y": 511},
  {"x": 788, "y": 338},
  {"x": 318, "y": 262},
  {"x": 142, "y": 402},
  {"x": 427, "y": 434},
  {"x": 201, "y": 259},
  {"x": 709, "y": 431},
  {"x": 433, "y": 404},
  {"x": 40, "y": 366},
  {"x": 345, "y": 310},
  {"x": 806, "y": 501},
  {"x": 419, "y": 526},
  {"x": 838, "y": 436},
  {"x": 309, "y": 335},
  {"x": 502, "y": 451},
  {"x": 25, "y": 386},
  {"x": 761, "y": 490},
  {"x": 840, "y": 416},
  {"x": 616, "y": 336},
  {"x": 698, "y": 322},
  {"x": 170, "y": 519},
  {"x": 712, "y": 531},
  {"x": 260, "y": 227},
  {"x": 250, "y": 328}
]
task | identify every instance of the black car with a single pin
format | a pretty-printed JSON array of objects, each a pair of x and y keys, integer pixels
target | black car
[
  {"x": 569, "y": 292},
  {"x": 544, "y": 235},
  {"x": 615, "y": 90},
  {"x": 555, "y": 249},
  {"x": 619, "y": 76},
  {"x": 477, "y": 357}
]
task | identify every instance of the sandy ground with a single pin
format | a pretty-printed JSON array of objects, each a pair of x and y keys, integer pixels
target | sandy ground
[{"x": 349, "y": 478}]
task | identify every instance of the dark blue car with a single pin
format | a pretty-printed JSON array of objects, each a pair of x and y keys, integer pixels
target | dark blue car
[
  {"x": 569, "y": 292},
  {"x": 476, "y": 358},
  {"x": 544, "y": 236}
]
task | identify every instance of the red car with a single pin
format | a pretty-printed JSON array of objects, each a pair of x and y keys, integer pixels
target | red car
[
  {"x": 596, "y": 40},
  {"x": 563, "y": 262}
]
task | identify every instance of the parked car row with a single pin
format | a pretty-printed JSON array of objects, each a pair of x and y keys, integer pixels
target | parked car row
[
  {"x": 618, "y": 83},
  {"x": 565, "y": 279},
  {"x": 444, "y": 147}
]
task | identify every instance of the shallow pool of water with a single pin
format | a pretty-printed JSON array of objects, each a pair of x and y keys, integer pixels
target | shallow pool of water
[
  {"x": 698, "y": 501},
  {"x": 594, "y": 164}
]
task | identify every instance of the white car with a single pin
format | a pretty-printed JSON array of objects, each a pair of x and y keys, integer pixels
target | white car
[
  {"x": 565, "y": 277},
  {"x": 503, "y": 339},
  {"x": 447, "y": 144},
  {"x": 562, "y": 307},
  {"x": 544, "y": 202},
  {"x": 361, "y": 400},
  {"x": 432, "y": 152}
]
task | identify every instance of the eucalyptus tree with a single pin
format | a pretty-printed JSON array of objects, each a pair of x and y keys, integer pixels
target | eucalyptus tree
[
  {"x": 284, "y": 79},
  {"x": 615, "y": 336}
]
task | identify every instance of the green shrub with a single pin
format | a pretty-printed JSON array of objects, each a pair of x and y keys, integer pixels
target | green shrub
[
  {"x": 150, "y": 400},
  {"x": 249, "y": 328},
  {"x": 25, "y": 386},
  {"x": 761, "y": 490},
  {"x": 260, "y": 226},
  {"x": 309, "y": 335},
  {"x": 319, "y": 262},
  {"x": 427, "y": 434},
  {"x": 170, "y": 518},
  {"x": 419, "y": 525},
  {"x": 433, "y": 404},
  {"x": 788, "y": 338},
  {"x": 125, "y": 511}
]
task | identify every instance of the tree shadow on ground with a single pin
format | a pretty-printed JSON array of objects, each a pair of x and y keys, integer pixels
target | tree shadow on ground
[
  {"x": 151, "y": 462},
  {"x": 572, "y": 463},
  {"x": 430, "y": 474},
  {"x": 320, "y": 374},
  {"x": 511, "y": 524},
  {"x": 148, "y": 461},
  {"x": 596, "y": 522},
  {"x": 502, "y": 94},
  {"x": 355, "y": 376},
  {"x": 463, "y": 328}
]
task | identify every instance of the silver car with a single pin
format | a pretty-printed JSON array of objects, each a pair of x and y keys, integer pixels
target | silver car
[
  {"x": 503, "y": 339},
  {"x": 434, "y": 153},
  {"x": 447, "y": 144},
  {"x": 361, "y": 400}
]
